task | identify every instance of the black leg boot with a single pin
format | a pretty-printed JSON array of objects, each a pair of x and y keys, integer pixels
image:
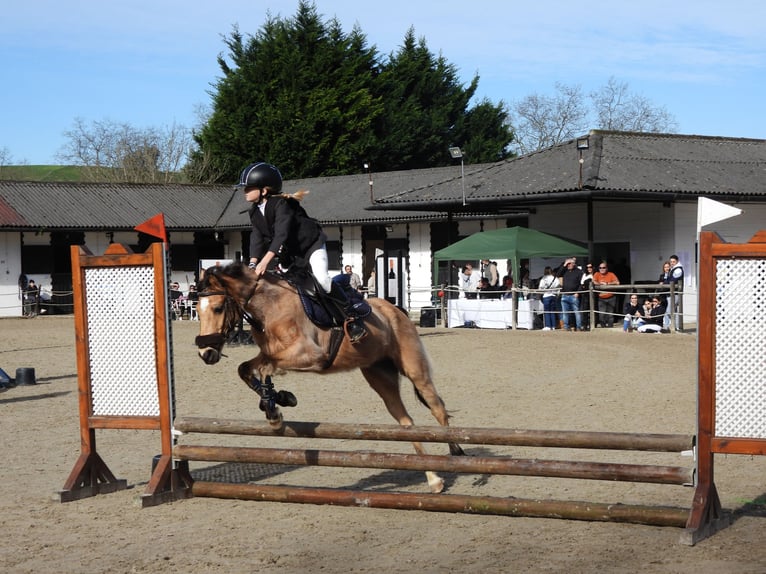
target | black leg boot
[{"x": 350, "y": 320}]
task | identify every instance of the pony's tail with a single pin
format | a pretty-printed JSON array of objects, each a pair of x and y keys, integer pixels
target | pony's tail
[{"x": 298, "y": 195}]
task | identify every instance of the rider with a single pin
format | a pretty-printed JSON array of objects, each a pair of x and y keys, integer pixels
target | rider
[{"x": 283, "y": 229}]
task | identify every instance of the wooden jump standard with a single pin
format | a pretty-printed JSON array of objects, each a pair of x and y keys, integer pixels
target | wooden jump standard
[{"x": 639, "y": 514}]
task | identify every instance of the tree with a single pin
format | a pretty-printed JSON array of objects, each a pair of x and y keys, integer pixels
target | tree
[
  {"x": 542, "y": 121},
  {"x": 617, "y": 109},
  {"x": 426, "y": 112},
  {"x": 315, "y": 101},
  {"x": 296, "y": 94},
  {"x": 112, "y": 151},
  {"x": 5, "y": 157}
]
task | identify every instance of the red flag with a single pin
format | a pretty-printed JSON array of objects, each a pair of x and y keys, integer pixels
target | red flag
[{"x": 155, "y": 227}]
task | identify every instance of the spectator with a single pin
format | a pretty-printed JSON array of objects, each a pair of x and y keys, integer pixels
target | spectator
[
  {"x": 664, "y": 281},
  {"x": 677, "y": 280},
  {"x": 607, "y": 300},
  {"x": 654, "y": 320},
  {"x": 489, "y": 271},
  {"x": 571, "y": 279},
  {"x": 31, "y": 299},
  {"x": 372, "y": 287},
  {"x": 506, "y": 290},
  {"x": 176, "y": 300},
  {"x": 634, "y": 311},
  {"x": 484, "y": 289},
  {"x": 354, "y": 280},
  {"x": 469, "y": 282},
  {"x": 586, "y": 284},
  {"x": 192, "y": 298},
  {"x": 549, "y": 283}
]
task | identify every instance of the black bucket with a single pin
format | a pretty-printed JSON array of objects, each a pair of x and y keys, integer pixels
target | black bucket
[{"x": 25, "y": 376}]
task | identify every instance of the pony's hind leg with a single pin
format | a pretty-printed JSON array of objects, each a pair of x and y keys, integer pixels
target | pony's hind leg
[
  {"x": 416, "y": 368},
  {"x": 383, "y": 377}
]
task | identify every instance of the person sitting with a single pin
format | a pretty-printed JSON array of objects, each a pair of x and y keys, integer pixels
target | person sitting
[
  {"x": 192, "y": 298},
  {"x": 176, "y": 300},
  {"x": 506, "y": 290},
  {"x": 634, "y": 311},
  {"x": 653, "y": 322}
]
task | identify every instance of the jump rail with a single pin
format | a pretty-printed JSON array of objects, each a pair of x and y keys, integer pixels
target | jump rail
[
  {"x": 502, "y": 465},
  {"x": 466, "y": 435}
]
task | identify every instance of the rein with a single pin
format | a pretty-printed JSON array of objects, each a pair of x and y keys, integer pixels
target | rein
[{"x": 233, "y": 312}]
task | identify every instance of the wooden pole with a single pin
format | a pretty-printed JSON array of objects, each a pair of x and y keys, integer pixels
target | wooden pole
[
  {"x": 464, "y": 464},
  {"x": 486, "y": 436},
  {"x": 570, "y": 510}
]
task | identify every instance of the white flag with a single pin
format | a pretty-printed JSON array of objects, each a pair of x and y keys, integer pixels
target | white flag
[{"x": 709, "y": 211}]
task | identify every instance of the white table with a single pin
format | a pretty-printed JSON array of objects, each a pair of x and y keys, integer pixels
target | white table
[
  {"x": 485, "y": 313},
  {"x": 492, "y": 313}
]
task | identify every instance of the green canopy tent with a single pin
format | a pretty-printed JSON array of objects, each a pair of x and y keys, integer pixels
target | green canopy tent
[{"x": 512, "y": 243}]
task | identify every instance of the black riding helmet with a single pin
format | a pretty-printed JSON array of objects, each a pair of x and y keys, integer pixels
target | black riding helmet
[{"x": 260, "y": 175}]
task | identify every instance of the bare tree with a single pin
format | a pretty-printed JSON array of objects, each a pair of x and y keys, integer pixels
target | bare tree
[
  {"x": 542, "y": 121},
  {"x": 5, "y": 157},
  {"x": 112, "y": 151},
  {"x": 617, "y": 109}
]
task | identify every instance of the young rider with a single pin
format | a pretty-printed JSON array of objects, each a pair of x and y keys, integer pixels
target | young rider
[{"x": 283, "y": 230}]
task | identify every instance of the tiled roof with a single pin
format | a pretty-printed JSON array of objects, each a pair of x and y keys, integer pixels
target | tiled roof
[
  {"x": 107, "y": 205},
  {"x": 615, "y": 165}
]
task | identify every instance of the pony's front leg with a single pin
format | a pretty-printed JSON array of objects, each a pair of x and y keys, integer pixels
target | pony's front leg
[{"x": 270, "y": 398}]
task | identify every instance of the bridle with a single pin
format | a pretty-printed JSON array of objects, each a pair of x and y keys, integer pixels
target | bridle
[{"x": 233, "y": 312}]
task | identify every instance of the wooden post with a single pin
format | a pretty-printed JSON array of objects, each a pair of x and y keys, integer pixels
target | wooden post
[{"x": 123, "y": 292}]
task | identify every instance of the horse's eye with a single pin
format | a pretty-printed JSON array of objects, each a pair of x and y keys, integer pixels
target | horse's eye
[{"x": 218, "y": 309}]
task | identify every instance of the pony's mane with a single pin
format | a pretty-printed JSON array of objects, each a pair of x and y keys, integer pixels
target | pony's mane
[{"x": 234, "y": 270}]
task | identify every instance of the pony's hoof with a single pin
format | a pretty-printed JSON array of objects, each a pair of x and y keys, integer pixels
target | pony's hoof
[
  {"x": 286, "y": 399},
  {"x": 276, "y": 423},
  {"x": 436, "y": 483}
]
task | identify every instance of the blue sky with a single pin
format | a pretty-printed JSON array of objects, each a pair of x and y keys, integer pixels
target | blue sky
[{"x": 151, "y": 64}]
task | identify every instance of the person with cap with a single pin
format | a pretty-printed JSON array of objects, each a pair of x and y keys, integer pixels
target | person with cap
[{"x": 282, "y": 231}]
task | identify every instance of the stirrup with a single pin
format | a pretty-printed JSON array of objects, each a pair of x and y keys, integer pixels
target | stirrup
[{"x": 355, "y": 330}]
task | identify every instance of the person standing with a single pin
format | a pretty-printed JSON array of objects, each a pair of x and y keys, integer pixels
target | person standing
[
  {"x": 677, "y": 280},
  {"x": 664, "y": 281},
  {"x": 469, "y": 282},
  {"x": 372, "y": 286},
  {"x": 549, "y": 283},
  {"x": 571, "y": 279},
  {"x": 489, "y": 271},
  {"x": 607, "y": 300},
  {"x": 31, "y": 299},
  {"x": 585, "y": 288},
  {"x": 353, "y": 278}
]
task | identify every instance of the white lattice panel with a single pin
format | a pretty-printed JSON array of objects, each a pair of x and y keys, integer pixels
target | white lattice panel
[
  {"x": 740, "y": 348},
  {"x": 123, "y": 365}
]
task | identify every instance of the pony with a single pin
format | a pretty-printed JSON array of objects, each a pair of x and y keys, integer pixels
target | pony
[{"x": 289, "y": 341}]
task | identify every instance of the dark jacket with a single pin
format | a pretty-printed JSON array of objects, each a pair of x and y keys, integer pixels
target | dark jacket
[
  {"x": 656, "y": 315},
  {"x": 284, "y": 228}
]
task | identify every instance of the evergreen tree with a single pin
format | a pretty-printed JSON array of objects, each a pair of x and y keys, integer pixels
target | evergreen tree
[{"x": 315, "y": 101}]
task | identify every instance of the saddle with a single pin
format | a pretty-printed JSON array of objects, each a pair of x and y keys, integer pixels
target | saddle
[{"x": 322, "y": 308}]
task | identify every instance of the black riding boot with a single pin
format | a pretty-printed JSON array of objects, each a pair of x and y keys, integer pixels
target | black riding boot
[
  {"x": 354, "y": 326},
  {"x": 352, "y": 323}
]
